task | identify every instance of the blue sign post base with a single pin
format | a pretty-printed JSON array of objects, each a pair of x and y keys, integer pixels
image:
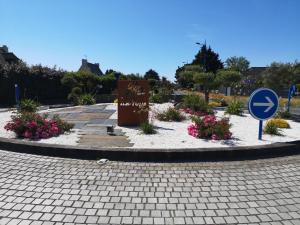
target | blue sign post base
[{"x": 260, "y": 130}]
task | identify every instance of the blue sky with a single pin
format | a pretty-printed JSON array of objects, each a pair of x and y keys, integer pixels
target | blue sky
[{"x": 133, "y": 36}]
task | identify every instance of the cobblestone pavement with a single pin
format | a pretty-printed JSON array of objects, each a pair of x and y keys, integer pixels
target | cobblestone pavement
[{"x": 45, "y": 190}]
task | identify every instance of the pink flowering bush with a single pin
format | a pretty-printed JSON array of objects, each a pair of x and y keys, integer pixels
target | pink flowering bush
[
  {"x": 195, "y": 105},
  {"x": 34, "y": 126},
  {"x": 208, "y": 127},
  {"x": 197, "y": 113}
]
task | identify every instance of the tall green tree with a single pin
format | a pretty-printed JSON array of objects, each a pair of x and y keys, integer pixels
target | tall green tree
[
  {"x": 207, "y": 81},
  {"x": 185, "y": 75},
  {"x": 228, "y": 78},
  {"x": 151, "y": 74},
  {"x": 240, "y": 64},
  {"x": 208, "y": 60}
]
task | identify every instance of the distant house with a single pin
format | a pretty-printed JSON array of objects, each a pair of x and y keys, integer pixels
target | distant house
[
  {"x": 90, "y": 67},
  {"x": 7, "y": 57}
]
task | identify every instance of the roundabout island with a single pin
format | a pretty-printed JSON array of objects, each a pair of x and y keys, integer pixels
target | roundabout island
[{"x": 172, "y": 140}]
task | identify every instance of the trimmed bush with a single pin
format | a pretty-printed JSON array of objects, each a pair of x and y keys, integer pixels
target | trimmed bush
[
  {"x": 147, "y": 128},
  {"x": 280, "y": 123},
  {"x": 35, "y": 82},
  {"x": 157, "y": 98},
  {"x": 208, "y": 127},
  {"x": 74, "y": 95},
  {"x": 235, "y": 108},
  {"x": 214, "y": 104},
  {"x": 162, "y": 95},
  {"x": 170, "y": 114},
  {"x": 28, "y": 105},
  {"x": 195, "y": 103},
  {"x": 86, "y": 99}
]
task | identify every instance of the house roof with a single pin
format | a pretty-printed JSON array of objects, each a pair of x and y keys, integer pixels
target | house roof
[
  {"x": 7, "y": 57},
  {"x": 90, "y": 67}
]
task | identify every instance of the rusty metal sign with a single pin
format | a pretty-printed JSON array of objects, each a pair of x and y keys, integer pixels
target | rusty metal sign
[{"x": 133, "y": 102}]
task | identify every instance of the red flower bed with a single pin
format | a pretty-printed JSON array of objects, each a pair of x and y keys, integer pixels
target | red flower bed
[
  {"x": 208, "y": 127},
  {"x": 34, "y": 126}
]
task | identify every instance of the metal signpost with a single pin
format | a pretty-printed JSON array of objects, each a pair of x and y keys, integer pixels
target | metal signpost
[
  {"x": 17, "y": 94},
  {"x": 263, "y": 104},
  {"x": 292, "y": 92}
]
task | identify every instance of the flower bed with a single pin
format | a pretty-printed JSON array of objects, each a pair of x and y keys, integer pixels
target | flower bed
[
  {"x": 34, "y": 126},
  {"x": 208, "y": 127},
  {"x": 196, "y": 113}
]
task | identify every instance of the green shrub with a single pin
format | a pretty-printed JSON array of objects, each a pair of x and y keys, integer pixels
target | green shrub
[
  {"x": 283, "y": 114},
  {"x": 195, "y": 103},
  {"x": 170, "y": 114},
  {"x": 272, "y": 129},
  {"x": 63, "y": 125},
  {"x": 156, "y": 98},
  {"x": 28, "y": 105},
  {"x": 280, "y": 123},
  {"x": 35, "y": 82},
  {"x": 162, "y": 95},
  {"x": 74, "y": 95},
  {"x": 147, "y": 128},
  {"x": 86, "y": 99},
  {"x": 235, "y": 108}
]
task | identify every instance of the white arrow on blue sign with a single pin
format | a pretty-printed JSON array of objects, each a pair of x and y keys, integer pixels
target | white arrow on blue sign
[{"x": 263, "y": 103}]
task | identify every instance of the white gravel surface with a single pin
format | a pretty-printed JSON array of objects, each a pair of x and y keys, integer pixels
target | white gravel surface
[
  {"x": 174, "y": 134},
  {"x": 64, "y": 139}
]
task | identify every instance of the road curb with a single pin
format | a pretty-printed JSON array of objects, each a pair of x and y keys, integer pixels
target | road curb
[{"x": 135, "y": 154}]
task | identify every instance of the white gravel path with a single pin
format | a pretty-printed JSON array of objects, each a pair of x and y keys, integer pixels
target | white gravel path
[{"x": 174, "y": 134}]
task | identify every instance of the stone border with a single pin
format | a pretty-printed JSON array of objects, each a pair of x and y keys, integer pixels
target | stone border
[{"x": 135, "y": 154}]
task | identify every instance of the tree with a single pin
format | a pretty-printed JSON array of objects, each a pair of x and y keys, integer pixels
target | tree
[
  {"x": 228, "y": 78},
  {"x": 185, "y": 75},
  {"x": 208, "y": 60},
  {"x": 132, "y": 76},
  {"x": 179, "y": 80},
  {"x": 116, "y": 74},
  {"x": 207, "y": 81},
  {"x": 281, "y": 76},
  {"x": 240, "y": 64},
  {"x": 151, "y": 74}
]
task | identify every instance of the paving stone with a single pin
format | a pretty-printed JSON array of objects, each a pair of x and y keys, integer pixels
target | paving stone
[{"x": 46, "y": 190}]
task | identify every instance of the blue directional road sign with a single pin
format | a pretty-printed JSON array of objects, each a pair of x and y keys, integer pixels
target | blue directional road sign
[{"x": 263, "y": 103}]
